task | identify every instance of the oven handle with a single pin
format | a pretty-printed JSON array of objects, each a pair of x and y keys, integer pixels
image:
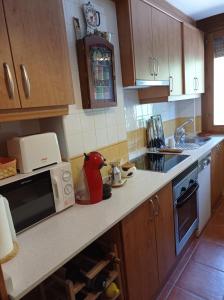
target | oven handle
[{"x": 195, "y": 187}]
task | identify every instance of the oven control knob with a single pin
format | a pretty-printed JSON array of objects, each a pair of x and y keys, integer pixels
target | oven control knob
[
  {"x": 66, "y": 176},
  {"x": 183, "y": 190},
  {"x": 191, "y": 182},
  {"x": 68, "y": 189}
]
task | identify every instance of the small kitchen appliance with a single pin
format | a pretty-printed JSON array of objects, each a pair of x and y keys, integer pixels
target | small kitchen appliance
[
  {"x": 90, "y": 186},
  {"x": 34, "y": 151},
  {"x": 35, "y": 196}
]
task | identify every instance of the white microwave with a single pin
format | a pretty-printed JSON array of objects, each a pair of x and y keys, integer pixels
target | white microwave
[{"x": 36, "y": 196}]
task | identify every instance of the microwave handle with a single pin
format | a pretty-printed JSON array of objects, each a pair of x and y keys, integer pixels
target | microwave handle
[{"x": 55, "y": 191}]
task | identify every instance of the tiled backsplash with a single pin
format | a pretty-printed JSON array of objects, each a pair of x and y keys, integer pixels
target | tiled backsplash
[{"x": 173, "y": 114}]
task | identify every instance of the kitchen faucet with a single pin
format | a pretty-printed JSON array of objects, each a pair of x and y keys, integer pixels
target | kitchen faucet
[{"x": 180, "y": 131}]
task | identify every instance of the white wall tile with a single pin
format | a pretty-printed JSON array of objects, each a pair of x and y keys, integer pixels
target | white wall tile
[
  {"x": 75, "y": 144},
  {"x": 89, "y": 138},
  {"x": 101, "y": 137}
]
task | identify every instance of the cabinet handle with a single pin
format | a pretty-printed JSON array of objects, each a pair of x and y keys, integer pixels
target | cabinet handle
[
  {"x": 194, "y": 83},
  {"x": 156, "y": 198},
  {"x": 197, "y": 83},
  {"x": 26, "y": 81},
  {"x": 9, "y": 81},
  {"x": 151, "y": 66},
  {"x": 157, "y": 66},
  {"x": 153, "y": 209},
  {"x": 171, "y": 83}
]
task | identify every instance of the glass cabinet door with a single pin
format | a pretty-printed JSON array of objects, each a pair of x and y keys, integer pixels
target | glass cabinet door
[{"x": 102, "y": 73}]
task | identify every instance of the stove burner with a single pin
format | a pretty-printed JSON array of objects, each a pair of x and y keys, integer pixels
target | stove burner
[{"x": 158, "y": 162}]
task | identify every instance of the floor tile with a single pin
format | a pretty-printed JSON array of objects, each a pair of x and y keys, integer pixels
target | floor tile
[
  {"x": 210, "y": 254},
  {"x": 181, "y": 294},
  {"x": 203, "y": 281},
  {"x": 183, "y": 261}
]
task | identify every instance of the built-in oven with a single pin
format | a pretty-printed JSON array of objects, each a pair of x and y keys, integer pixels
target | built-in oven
[{"x": 185, "y": 195}]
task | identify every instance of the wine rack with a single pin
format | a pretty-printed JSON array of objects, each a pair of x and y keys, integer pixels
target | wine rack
[{"x": 97, "y": 265}]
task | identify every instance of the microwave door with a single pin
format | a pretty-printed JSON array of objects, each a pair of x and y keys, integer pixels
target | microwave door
[{"x": 31, "y": 200}]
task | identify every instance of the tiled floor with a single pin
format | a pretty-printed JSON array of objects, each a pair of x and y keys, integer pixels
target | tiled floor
[{"x": 200, "y": 273}]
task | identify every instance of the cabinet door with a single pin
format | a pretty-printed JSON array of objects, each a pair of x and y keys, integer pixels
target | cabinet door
[
  {"x": 160, "y": 44},
  {"x": 142, "y": 39},
  {"x": 39, "y": 48},
  {"x": 199, "y": 61},
  {"x": 217, "y": 170},
  {"x": 8, "y": 88},
  {"x": 189, "y": 42},
  {"x": 175, "y": 56},
  {"x": 139, "y": 245},
  {"x": 164, "y": 223}
]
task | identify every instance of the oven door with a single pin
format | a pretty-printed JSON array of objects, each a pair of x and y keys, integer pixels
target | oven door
[
  {"x": 186, "y": 216},
  {"x": 31, "y": 200}
]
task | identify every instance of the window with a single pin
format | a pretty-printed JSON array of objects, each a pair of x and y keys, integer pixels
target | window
[{"x": 218, "y": 47}]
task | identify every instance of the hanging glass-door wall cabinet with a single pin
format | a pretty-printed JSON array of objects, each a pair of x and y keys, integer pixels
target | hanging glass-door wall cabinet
[{"x": 97, "y": 72}]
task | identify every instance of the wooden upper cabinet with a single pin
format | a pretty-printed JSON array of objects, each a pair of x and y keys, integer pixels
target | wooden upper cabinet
[
  {"x": 164, "y": 224},
  {"x": 199, "y": 62},
  {"x": 175, "y": 56},
  {"x": 142, "y": 40},
  {"x": 8, "y": 88},
  {"x": 193, "y": 41},
  {"x": 40, "y": 53},
  {"x": 139, "y": 246},
  {"x": 160, "y": 44}
]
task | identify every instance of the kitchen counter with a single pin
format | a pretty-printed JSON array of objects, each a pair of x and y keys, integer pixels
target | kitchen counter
[{"x": 50, "y": 244}]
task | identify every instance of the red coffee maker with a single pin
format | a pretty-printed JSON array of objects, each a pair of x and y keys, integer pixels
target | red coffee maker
[{"x": 90, "y": 185}]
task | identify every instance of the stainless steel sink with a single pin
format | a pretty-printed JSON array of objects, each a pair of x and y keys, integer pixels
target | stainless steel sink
[{"x": 192, "y": 142}]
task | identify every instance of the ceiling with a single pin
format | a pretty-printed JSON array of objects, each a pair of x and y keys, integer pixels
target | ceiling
[{"x": 199, "y": 9}]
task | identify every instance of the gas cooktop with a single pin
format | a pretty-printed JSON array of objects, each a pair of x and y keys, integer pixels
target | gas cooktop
[{"x": 158, "y": 162}]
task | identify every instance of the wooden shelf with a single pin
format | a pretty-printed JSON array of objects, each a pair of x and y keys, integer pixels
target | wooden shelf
[
  {"x": 112, "y": 276},
  {"x": 78, "y": 286},
  {"x": 100, "y": 265}
]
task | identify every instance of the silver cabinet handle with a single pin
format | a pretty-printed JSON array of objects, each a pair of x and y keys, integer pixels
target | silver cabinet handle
[
  {"x": 156, "y": 198},
  {"x": 197, "y": 83},
  {"x": 26, "y": 81},
  {"x": 153, "y": 210},
  {"x": 171, "y": 83},
  {"x": 157, "y": 66},
  {"x": 151, "y": 66},
  {"x": 194, "y": 83},
  {"x": 9, "y": 81}
]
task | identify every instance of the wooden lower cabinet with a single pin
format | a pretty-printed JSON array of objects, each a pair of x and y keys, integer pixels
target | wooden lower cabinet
[
  {"x": 217, "y": 173},
  {"x": 148, "y": 245},
  {"x": 164, "y": 224}
]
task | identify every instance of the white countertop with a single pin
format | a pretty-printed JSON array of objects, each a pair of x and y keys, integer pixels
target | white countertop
[{"x": 48, "y": 245}]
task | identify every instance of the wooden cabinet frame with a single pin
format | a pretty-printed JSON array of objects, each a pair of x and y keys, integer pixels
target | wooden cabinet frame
[
  {"x": 208, "y": 97},
  {"x": 86, "y": 76}
]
